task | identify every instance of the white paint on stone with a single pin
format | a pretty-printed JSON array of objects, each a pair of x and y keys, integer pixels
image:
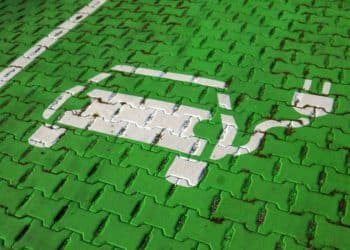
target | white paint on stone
[
  {"x": 104, "y": 110},
  {"x": 139, "y": 120},
  {"x": 75, "y": 119},
  {"x": 171, "y": 76},
  {"x": 148, "y": 72},
  {"x": 132, "y": 115},
  {"x": 107, "y": 127},
  {"x": 326, "y": 88},
  {"x": 178, "y": 77},
  {"x": 312, "y": 105},
  {"x": 46, "y": 136},
  {"x": 124, "y": 68},
  {"x": 172, "y": 123},
  {"x": 222, "y": 149},
  {"x": 185, "y": 172},
  {"x": 30, "y": 55},
  {"x": 224, "y": 101},
  {"x": 229, "y": 130},
  {"x": 131, "y": 100},
  {"x": 307, "y": 84},
  {"x": 99, "y": 77},
  {"x": 183, "y": 110},
  {"x": 59, "y": 101},
  {"x": 141, "y": 134},
  {"x": 102, "y": 95},
  {"x": 189, "y": 145}
]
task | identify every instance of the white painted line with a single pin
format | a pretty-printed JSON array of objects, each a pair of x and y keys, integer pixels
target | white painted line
[
  {"x": 149, "y": 72},
  {"x": 224, "y": 101},
  {"x": 59, "y": 101},
  {"x": 170, "y": 75},
  {"x": 46, "y": 136},
  {"x": 28, "y": 57},
  {"x": 307, "y": 84},
  {"x": 326, "y": 88},
  {"x": 185, "y": 172},
  {"x": 124, "y": 68},
  {"x": 99, "y": 77},
  {"x": 222, "y": 149}
]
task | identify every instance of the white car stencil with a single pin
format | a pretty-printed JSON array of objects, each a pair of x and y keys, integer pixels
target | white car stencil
[{"x": 169, "y": 125}]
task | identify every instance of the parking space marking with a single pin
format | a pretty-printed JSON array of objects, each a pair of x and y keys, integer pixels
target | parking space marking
[
  {"x": 40, "y": 47},
  {"x": 171, "y": 76}
]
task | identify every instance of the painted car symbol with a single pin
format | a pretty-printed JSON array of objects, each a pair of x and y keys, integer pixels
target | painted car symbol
[{"x": 167, "y": 124}]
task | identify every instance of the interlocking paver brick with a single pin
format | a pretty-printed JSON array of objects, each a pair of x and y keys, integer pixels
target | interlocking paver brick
[
  {"x": 41, "y": 180},
  {"x": 324, "y": 238},
  {"x": 11, "y": 227},
  {"x": 78, "y": 166},
  {"x": 247, "y": 214},
  {"x": 42, "y": 208},
  {"x": 36, "y": 236},
  {"x": 75, "y": 190},
  {"x": 293, "y": 225},
  {"x": 279, "y": 194},
  {"x": 11, "y": 198},
  {"x": 307, "y": 201},
  {"x": 158, "y": 241},
  {"x": 224, "y": 180},
  {"x": 335, "y": 182},
  {"x": 244, "y": 239},
  {"x": 203, "y": 230},
  {"x": 278, "y": 69},
  {"x": 12, "y": 171},
  {"x": 189, "y": 198},
  {"x": 118, "y": 203},
  {"x": 290, "y": 172},
  {"x": 150, "y": 186},
  {"x": 75, "y": 242},
  {"x": 78, "y": 220},
  {"x": 326, "y": 157},
  {"x": 158, "y": 216},
  {"x": 118, "y": 234}
]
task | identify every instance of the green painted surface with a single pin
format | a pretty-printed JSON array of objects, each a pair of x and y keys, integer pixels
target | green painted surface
[{"x": 92, "y": 190}]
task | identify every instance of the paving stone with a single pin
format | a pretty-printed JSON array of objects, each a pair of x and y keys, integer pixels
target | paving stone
[
  {"x": 159, "y": 241},
  {"x": 75, "y": 190},
  {"x": 75, "y": 242},
  {"x": 41, "y": 208},
  {"x": 43, "y": 181},
  {"x": 313, "y": 202},
  {"x": 290, "y": 172},
  {"x": 113, "y": 226},
  {"x": 200, "y": 200},
  {"x": 150, "y": 186},
  {"x": 118, "y": 203},
  {"x": 77, "y": 220},
  {"x": 247, "y": 215},
  {"x": 244, "y": 239},
  {"x": 279, "y": 194},
  {"x": 224, "y": 180},
  {"x": 12, "y": 198},
  {"x": 179, "y": 66},
  {"x": 12, "y": 171},
  {"x": 199, "y": 229},
  {"x": 158, "y": 216},
  {"x": 323, "y": 238},
  {"x": 335, "y": 159},
  {"x": 38, "y": 236},
  {"x": 293, "y": 225},
  {"x": 11, "y": 226}
]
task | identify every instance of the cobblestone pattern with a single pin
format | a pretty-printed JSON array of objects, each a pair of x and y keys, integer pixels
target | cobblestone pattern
[{"x": 93, "y": 191}]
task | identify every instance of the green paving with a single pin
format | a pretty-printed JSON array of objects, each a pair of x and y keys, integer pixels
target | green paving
[{"x": 96, "y": 191}]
